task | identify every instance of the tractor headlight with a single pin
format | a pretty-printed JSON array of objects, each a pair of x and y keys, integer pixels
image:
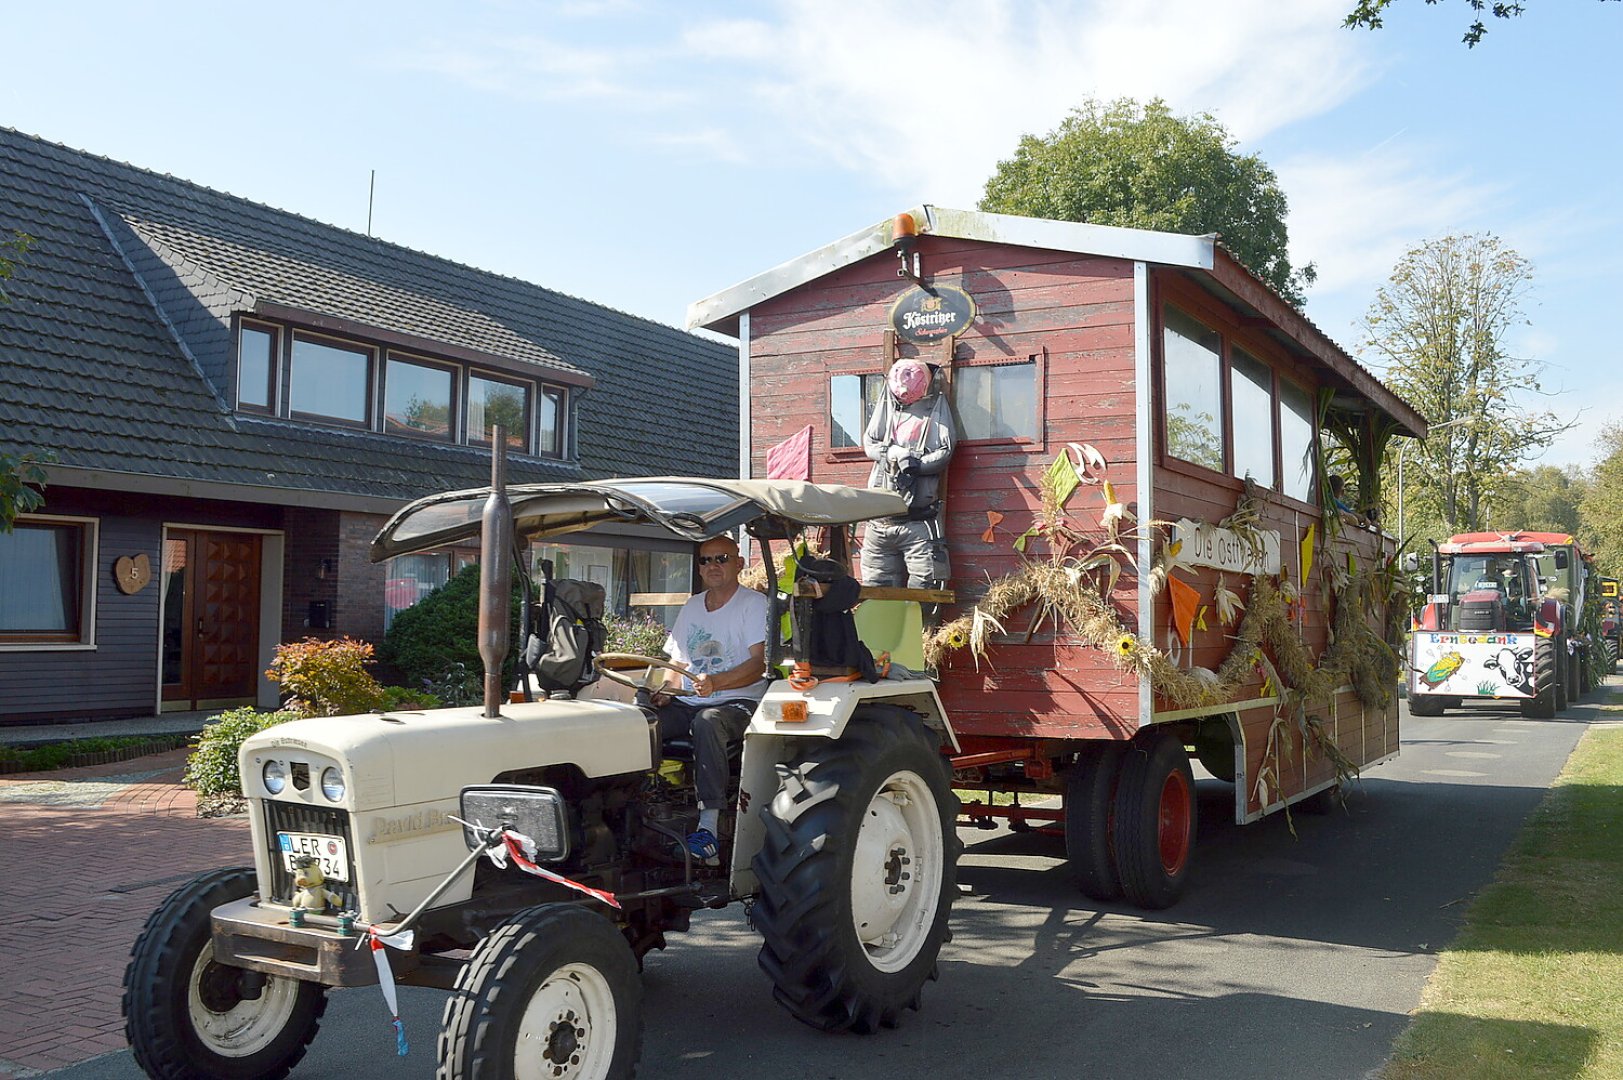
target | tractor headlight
[
  {"x": 275, "y": 777},
  {"x": 332, "y": 784}
]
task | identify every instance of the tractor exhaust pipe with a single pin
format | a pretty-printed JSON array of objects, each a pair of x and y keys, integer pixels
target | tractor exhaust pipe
[{"x": 495, "y": 573}]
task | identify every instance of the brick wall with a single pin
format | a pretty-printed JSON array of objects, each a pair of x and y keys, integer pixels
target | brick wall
[
  {"x": 312, "y": 539},
  {"x": 359, "y": 612}
]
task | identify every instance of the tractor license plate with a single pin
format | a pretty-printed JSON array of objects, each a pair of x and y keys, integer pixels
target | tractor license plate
[{"x": 329, "y": 849}]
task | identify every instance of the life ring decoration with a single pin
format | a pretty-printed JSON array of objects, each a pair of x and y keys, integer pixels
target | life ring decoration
[{"x": 926, "y": 314}]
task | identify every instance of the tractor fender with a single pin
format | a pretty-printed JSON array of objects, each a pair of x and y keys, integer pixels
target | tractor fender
[
  {"x": 826, "y": 708},
  {"x": 1550, "y": 619}
]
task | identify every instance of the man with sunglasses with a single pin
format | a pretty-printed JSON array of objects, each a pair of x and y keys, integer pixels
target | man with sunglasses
[{"x": 720, "y": 637}]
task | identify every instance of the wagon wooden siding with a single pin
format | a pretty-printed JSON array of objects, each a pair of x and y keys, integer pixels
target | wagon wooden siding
[{"x": 1074, "y": 315}]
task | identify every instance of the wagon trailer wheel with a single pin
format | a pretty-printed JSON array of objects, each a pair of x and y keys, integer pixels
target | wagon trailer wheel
[
  {"x": 857, "y": 873},
  {"x": 551, "y": 994},
  {"x": 1563, "y": 673},
  {"x": 1090, "y": 789},
  {"x": 613, "y": 666},
  {"x": 1155, "y": 821},
  {"x": 187, "y": 1016}
]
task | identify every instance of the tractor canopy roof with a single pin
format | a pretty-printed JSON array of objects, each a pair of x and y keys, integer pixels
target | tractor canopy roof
[
  {"x": 691, "y": 507},
  {"x": 1487, "y": 543}
]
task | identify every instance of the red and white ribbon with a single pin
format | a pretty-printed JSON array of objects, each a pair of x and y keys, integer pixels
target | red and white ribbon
[
  {"x": 401, "y": 940},
  {"x": 522, "y": 850}
]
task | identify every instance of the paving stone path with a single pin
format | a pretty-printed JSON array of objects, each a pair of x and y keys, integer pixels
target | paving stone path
[{"x": 87, "y": 854}]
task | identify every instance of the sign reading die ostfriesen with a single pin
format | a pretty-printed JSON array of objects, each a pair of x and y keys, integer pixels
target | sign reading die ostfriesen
[
  {"x": 1224, "y": 549},
  {"x": 926, "y": 314}
]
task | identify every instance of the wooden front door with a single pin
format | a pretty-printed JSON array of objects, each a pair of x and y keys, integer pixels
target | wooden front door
[{"x": 210, "y": 641}]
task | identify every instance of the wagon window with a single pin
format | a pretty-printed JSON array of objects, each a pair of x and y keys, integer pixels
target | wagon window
[
  {"x": 998, "y": 401},
  {"x": 1251, "y": 389},
  {"x": 851, "y": 399},
  {"x": 1296, "y": 439},
  {"x": 1194, "y": 391}
]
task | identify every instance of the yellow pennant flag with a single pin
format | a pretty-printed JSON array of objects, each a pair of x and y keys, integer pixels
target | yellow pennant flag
[{"x": 1307, "y": 554}]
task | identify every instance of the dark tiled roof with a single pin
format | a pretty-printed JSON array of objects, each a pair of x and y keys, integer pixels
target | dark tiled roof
[{"x": 114, "y": 348}]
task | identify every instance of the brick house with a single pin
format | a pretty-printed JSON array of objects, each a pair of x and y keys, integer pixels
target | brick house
[{"x": 236, "y": 397}]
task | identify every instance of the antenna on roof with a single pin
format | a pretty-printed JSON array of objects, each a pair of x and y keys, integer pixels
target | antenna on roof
[{"x": 371, "y": 188}]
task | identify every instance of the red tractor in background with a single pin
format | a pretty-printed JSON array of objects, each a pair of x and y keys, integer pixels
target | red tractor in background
[{"x": 1509, "y": 617}]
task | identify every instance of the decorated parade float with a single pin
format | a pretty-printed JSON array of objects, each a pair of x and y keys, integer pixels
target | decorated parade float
[{"x": 1158, "y": 513}]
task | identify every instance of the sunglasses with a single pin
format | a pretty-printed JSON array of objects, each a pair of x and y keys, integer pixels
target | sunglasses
[{"x": 719, "y": 560}]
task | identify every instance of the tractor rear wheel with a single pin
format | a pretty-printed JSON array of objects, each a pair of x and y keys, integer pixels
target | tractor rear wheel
[
  {"x": 1155, "y": 821},
  {"x": 857, "y": 873},
  {"x": 188, "y": 1017},
  {"x": 1090, "y": 787},
  {"x": 552, "y": 992}
]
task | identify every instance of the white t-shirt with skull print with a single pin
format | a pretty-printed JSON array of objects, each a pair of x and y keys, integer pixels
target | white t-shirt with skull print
[{"x": 710, "y": 642}]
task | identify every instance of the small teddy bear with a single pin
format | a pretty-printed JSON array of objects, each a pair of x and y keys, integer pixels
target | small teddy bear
[{"x": 310, "y": 886}]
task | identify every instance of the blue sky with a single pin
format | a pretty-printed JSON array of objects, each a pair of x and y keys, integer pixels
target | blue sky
[{"x": 646, "y": 155}]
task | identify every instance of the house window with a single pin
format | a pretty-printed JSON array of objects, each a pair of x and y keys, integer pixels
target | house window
[
  {"x": 997, "y": 401},
  {"x": 1251, "y": 392},
  {"x": 493, "y": 401},
  {"x": 1193, "y": 367},
  {"x": 47, "y": 582},
  {"x": 552, "y": 436},
  {"x": 329, "y": 381},
  {"x": 256, "y": 368},
  {"x": 1296, "y": 440},
  {"x": 418, "y": 399},
  {"x": 409, "y": 578},
  {"x": 640, "y": 583},
  {"x": 851, "y": 400}
]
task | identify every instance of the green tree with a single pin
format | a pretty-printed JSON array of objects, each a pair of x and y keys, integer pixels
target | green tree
[
  {"x": 1600, "y": 527},
  {"x": 1542, "y": 499},
  {"x": 1140, "y": 166},
  {"x": 1440, "y": 324},
  {"x": 10, "y": 251},
  {"x": 1370, "y": 15},
  {"x": 21, "y": 478}
]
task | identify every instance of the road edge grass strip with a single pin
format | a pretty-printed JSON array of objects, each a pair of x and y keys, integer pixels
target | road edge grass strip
[{"x": 1529, "y": 990}]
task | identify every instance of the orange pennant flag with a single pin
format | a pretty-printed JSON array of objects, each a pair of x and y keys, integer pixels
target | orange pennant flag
[
  {"x": 992, "y": 519},
  {"x": 1185, "y": 602}
]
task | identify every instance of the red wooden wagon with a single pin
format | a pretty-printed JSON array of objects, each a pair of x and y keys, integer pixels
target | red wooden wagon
[{"x": 1186, "y": 374}]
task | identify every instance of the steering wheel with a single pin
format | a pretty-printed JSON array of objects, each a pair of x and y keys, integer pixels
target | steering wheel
[{"x": 612, "y": 665}]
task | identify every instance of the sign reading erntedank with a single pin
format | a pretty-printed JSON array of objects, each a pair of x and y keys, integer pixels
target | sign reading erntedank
[{"x": 924, "y": 315}]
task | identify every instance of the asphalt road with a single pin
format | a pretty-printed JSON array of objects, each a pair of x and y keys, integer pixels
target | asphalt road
[{"x": 1288, "y": 956}]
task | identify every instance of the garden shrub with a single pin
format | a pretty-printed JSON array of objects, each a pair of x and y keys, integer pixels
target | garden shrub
[
  {"x": 212, "y": 767},
  {"x": 400, "y": 698},
  {"x": 428, "y": 640},
  {"x": 638, "y": 634},
  {"x": 326, "y": 678}
]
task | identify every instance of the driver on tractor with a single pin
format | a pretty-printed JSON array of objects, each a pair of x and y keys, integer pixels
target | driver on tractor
[{"x": 720, "y": 638}]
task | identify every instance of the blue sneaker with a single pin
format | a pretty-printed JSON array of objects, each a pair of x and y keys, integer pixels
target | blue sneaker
[{"x": 704, "y": 847}]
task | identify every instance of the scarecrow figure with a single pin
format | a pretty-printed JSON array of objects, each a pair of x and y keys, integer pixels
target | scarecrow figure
[{"x": 910, "y": 439}]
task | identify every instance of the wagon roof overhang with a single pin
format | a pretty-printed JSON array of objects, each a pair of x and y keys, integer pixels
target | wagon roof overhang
[{"x": 1204, "y": 257}]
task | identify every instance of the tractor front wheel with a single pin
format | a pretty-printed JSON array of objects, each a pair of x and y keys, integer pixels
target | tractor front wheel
[
  {"x": 552, "y": 992},
  {"x": 189, "y": 1017},
  {"x": 857, "y": 873},
  {"x": 1155, "y": 821},
  {"x": 1546, "y": 680},
  {"x": 1427, "y": 705}
]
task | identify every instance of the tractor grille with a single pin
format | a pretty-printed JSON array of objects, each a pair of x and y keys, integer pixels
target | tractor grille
[
  {"x": 1481, "y": 615},
  {"x": 322, "y": 821}
]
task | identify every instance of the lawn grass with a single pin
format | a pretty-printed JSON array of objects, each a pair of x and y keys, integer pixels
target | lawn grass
[{"x": 1533, "y": 987}]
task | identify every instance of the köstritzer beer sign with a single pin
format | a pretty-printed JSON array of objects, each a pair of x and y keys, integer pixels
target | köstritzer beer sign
[{"x": 924, "y": 315}]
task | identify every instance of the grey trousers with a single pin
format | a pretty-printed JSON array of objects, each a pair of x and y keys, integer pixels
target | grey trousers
[
  {"x": 910, "y": 553},
  {"x": 713, "y": 728}
]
